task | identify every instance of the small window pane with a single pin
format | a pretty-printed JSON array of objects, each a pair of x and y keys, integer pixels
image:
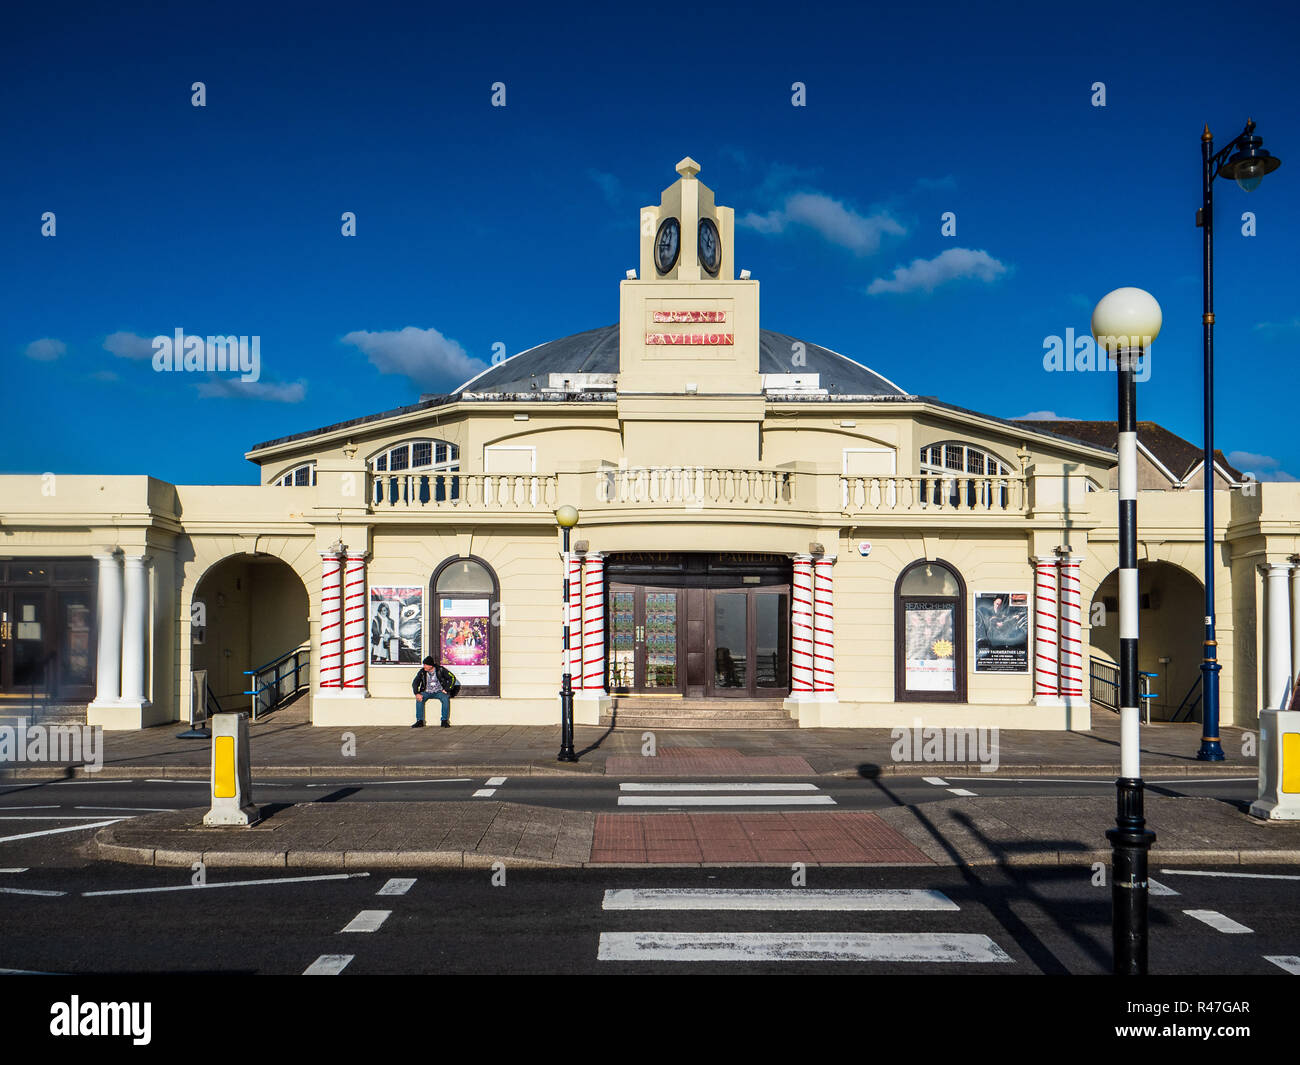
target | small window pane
[
  {"x": 930, "y": 579},
  {"x": 442, "y": 453},
  {"x": 455, "y": 452},
  {"x": 303, "y": 475},
  {"x": 400, "y": 458},
  {"x": 422, "y": 454},
  {"x": 974, "y": 461},
  {"x": 381, "y": 463},
  {"x": 464, "y": 578},
  {"x": 952, "y": 457}
]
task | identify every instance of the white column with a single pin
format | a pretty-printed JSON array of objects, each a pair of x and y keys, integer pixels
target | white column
[
  {"x": 354, "y": 624},
  {"x": 802, "y": 643},
  {"x": 574, "y": 577},
  {"x": 108, "y": 660},
  {"x": 1277, "y": 635},
  {"x": 824, "y": 628},
  {"x": 134, "y": 630},
  {"x": 1047, "y": 657},
  {"x": 331, "y": 622},
  {"x": 1071, "y": 630},
  {"x": 1295, "y": 616},
  {"x": 593, "y": 625}
]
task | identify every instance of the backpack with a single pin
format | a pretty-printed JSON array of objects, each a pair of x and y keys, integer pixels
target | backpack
[{"x": 448, "y": 681}]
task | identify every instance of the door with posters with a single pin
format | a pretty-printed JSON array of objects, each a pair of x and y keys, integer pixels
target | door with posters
[{"x": 464, "y": 640}]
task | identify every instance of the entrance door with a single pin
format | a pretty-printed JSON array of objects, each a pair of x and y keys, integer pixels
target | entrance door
[
  {"x": 749, "y": 642},
  {"x": 645, "y": 640},
  {"x": 25, "y": 658}
]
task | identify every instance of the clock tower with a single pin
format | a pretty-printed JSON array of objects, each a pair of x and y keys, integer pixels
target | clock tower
[{"x": 688, "y": 328}]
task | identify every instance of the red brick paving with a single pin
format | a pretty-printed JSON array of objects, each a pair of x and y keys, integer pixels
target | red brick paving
[
  {"x": 839, "y": 836},
  {"x": 706, "y": 762}
]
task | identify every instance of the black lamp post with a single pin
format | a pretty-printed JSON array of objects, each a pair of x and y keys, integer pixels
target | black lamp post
[
  {"x": 567, "y": 518},
  {"x": 1125, "y": 323},
  {"x": 1247, "y": 165}
]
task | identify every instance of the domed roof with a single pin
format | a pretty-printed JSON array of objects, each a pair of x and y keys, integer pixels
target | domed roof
[{"x": 596, "y": 352}]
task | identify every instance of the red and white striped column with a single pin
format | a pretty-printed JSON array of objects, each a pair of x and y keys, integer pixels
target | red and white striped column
[
  {"x": 824, "y": 628},
  {"x": 354, "y": 624},
  {"x": 802, "y": 637},
  {"x": 593, "y": 625},
  {"x": 331, "y": 622},
  {"x": 574, "y": 665},
  {"x": 1047, "y": 643},
  {"x": 1071, "y": 628}
]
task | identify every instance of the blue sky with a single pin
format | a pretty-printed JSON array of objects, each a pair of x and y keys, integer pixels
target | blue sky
[{"x": 479, "y": 225}]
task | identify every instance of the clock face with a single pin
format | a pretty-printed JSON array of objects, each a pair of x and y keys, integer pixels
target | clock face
[
  {"x": 710, "y": 246},
  {"x": 668, "y": 244}
]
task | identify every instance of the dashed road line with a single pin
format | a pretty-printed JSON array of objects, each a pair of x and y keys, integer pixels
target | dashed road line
[
  {"x": 370, "y": 783},
  {"x": 328, "y": 965},
  {"x": 938, "y": 782},
  {"x": 30, "y": 891},
  {"x": 484, "y": 793},
  {"x": 228, "y": 883},
  {"x": 783, "y": 899},
  {"x": 715, "y": 787},
  {"x": 367, "y": 921},
  {"x": 961, "y": 791},
  {"x": 799, "y": 946},
  {"x": 726, "y": 800},
  {"x": 74, "y": 783},
  {"x": 1218, "y": 921},
  {"x": 1237, "y": 876},
  {"x": 398, "y": 885},
  {"x": 1289, "y": 962},
  {"x": 18, "y": 869},
  {"x": 54, "y": 817},
  {"x": 496, "y": 782},
  {"x": 55, "y": 807},
  {"x": 137, "y": 809},
  {"x": 56, "y": 831}
]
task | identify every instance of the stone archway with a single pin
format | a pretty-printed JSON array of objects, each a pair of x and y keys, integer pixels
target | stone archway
[
  {"x": 1170, "y": 626},
  {"x": 256, "y": 608}
]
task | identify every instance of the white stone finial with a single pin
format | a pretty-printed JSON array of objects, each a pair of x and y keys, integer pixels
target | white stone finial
[{"x": 688, "y": 168}]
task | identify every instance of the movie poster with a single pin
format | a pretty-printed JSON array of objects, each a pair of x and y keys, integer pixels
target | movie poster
[
  {"x": 396, "y": 626},
  {"x": 928, "y": 650},
  {"x": 1002, "y": 632},
  {"x": 464, "y": 636}
]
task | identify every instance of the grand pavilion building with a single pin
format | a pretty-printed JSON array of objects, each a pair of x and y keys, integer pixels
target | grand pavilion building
[{"x": 769, "y": 533}]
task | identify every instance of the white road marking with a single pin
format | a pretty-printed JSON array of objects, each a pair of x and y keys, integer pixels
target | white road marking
[
  {"x": 484, "y": 793},
  {"x": 798, "y": 946},
  {"x": 54, "y": 807},
  {"x": 495, "y": 782},
  {"x": 1219, "y": 922},
  {"x": 961, "y": 791},
  {"x": 71, "y": 783},
  {"x": 938, "y": 782},
  {"x": 1289, "y": 962},
  {"x": 26, "y": 972},
  {"x": 29, "y": 891},
  {"x": 367, "y": 921},
  {"x": 23, "y": 869},
  {"x": 1156, "y": 888},
  {"x": 56, "y": 831},
  {"x": 399, "y": 885},
  {"x": 328, "y": 965},
  {"x": 1201, "y": 780},
  {"x": 368, "y": 783},
  {"x": 726, "y": 800},
  {"x": 54, "y": 817},
  {"x": 716, "y": 787},
  {"x": 229, "y": 883},
  {"x": 174, "y": 780},
  {"x": 1238, "y": 876},
  {"x": 139, "y": 809},
  {"x": 775, "y": 899}
]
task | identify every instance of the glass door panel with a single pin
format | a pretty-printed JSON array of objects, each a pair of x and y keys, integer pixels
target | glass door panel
[
  {"x": 730, "y": 641},
  {"x": 622, "y": 639},
  {"x": 76, "y": 642},
  {"x": 661, "y": 667},
  {"x": 30, "y": 631},
  {"x": 771, "y": 640}
]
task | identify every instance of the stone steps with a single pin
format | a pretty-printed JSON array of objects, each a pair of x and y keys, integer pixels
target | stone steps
[{"x": 631, "y": 712}]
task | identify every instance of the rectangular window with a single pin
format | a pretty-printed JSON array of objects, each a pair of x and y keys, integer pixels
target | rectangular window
[
  {"x": 441, "y": 454},
  {"x": 422, "y": 454},
  {"x": 399, "y": 458},
  {"x": 381, "y": 463}
]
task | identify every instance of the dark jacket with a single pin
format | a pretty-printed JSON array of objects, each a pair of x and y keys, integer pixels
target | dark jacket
[
  {"x": 421, "y": 681},
  {"x": 447, "y": 681}
]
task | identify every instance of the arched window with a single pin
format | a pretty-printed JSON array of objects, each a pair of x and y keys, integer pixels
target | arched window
[
  {"x": 963, "y": 476},
  {"x": 298, "y": 476},
  {"x": 930, "y": 634},
  {"x": 466, "y": 623},
  {"x": 416, "y": 471}
]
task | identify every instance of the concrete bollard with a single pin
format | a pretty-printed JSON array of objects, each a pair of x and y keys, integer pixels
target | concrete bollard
[
  {"x": 232, "y": 800},
  {"x": 1279, "y": 766}
]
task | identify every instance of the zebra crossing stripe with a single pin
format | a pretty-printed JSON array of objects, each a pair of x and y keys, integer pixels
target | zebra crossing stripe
[
  {"x": 328, "y": 965},
  {"x": 718, "y": 787},
  {"x": 786, "y": 899},
  {"x": 367, "y": 921},
  {"x": 725, "y": 800},
  {"x": 1289, "y": 962},
  {"x": 1156, "y": 888},
  {"x": 398, "y": 885},
  {"x": 1218, "y": 921},
  {"x": 799, "y": 946}
]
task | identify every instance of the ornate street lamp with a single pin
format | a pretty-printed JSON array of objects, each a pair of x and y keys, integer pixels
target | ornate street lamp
[
  {"x": 1246, "y": 162},
  {"x": 1124, "y": 324},
  {"x": 566, "y": 517}
]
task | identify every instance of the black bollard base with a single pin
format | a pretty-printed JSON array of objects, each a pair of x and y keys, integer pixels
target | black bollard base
[{"x": 1131, "y": 841}]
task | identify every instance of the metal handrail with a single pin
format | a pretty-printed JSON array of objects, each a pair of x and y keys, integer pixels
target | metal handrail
[
  {"x": 1177, "y": 716},
  {"x": 275, "y": 679},
  {"x": 1101, "y": 672}
]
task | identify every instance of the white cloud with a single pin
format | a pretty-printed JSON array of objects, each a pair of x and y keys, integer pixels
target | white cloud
[
  {"x": 928, "y": 274},
  {"x": 1043, "y": 416},
  {"x": 831, "y": 219},
  {"x": 234, "y": 388},
  {"x": 129, "y": 345},
  {"x": 1278, "y": 327},
  {"x": 1260, "y": 467},
  {"x": 424, "y": 356},
  {"x": 47, "y": 349}
]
